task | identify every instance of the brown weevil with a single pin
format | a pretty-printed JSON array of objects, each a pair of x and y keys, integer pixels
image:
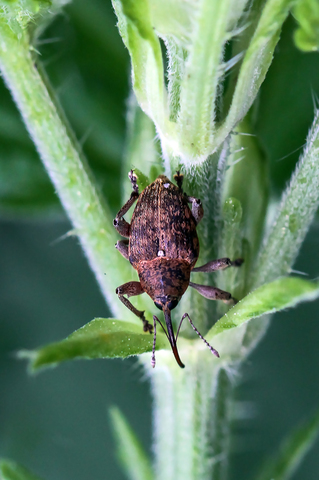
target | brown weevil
[{"x": 162, "y": 245}]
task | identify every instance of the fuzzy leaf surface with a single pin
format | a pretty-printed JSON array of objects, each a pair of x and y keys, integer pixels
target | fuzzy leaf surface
[
  {"x": 306, "y": 36},
  {"x": 100, "y": 338},
  {"x": 283, "y": 293},
  {"x": 135, "y": 26},
  {"x": 298, "y": 206},
  {"x": 256, "y": 62}
]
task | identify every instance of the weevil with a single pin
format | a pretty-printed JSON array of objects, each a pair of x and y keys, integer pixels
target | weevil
[{"x": 161, "y": 243}]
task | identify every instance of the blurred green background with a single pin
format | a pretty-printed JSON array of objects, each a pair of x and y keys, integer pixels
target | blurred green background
[{"x": 56, "y": 423}]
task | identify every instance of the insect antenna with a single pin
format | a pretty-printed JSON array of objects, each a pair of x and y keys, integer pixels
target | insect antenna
[
  {"x": 155, "y": 319},
  {"x": 198, "y": 333},
  {"x": 179, "y": 327},
  {"x": 153, "y": 361}
]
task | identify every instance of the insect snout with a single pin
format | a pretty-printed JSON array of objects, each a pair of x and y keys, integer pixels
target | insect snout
[{"x": 170, "y": 303}]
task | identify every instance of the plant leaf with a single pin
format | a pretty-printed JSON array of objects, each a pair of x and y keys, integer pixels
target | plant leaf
[
  {"x": 134, "y": 22},
  {"x": 199, "y": 85},
  {"x": 298, "y": 206},
  {"x": 130, "y": 452},
  {"x": 292, "y": 451},
  {"x": 255, "y": 64},
  {"x": 270, "y": 298},
  {"x": 306, "y": 37},
  {"x": 12, "y": 471},
  {"x": 100, "y": 338}
]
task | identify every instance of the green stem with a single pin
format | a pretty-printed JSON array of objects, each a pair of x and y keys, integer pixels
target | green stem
[
  {"x": 221, "y": 424},
  {"x": 65, "y": 164},
  {"x": 191, "y": 420}
]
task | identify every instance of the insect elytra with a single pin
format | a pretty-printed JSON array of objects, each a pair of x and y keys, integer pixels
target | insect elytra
[{"x": 161, "y": 243}]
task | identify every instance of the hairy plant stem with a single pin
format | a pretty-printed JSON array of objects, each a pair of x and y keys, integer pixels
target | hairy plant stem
[
  {"x": 65, "y": 164},
  {"x": 191, "y": 417}
]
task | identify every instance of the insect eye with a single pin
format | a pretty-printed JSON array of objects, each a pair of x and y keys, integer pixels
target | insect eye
[
  {"x": 158, "y": 305},
  {"x": 172, "y": 304}
]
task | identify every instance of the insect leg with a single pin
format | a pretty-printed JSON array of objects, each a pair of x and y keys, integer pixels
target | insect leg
[
  {"x": 214, "y": 293},
  {"x": 132, "y": 289},
  {"x": 219, "y": 264},
  {"x": 197, "y": 208},
  {"x": 121, "y": 225},
  {"x": 133, "y": 178},
  {"x": 122, "y": 247},
  {"x": 155, "y": 319}
]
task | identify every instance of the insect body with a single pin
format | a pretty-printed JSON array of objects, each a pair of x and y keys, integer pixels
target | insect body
[{"x": 162, "y": 245}]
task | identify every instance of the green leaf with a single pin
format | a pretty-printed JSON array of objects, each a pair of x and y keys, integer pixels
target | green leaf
[
  {"x": 130, "y": 452},
  {"x": 292, "y": 451},
  {"x": 306, "y": 37},
  {"x": 12, "y": 471},
  {"x": 294, "y": 215},
  {"x": 134, "y": 22},
  {"x": 199, "y": 85},
  {"x": 172, "y": 18},
  {"x": 100, "y": 338},
  {"x": 283, "y": 293},
  {"x": 255, "y": 64}
]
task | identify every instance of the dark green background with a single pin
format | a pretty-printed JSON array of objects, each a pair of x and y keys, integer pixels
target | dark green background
[{"x": 56, "y": 423}]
